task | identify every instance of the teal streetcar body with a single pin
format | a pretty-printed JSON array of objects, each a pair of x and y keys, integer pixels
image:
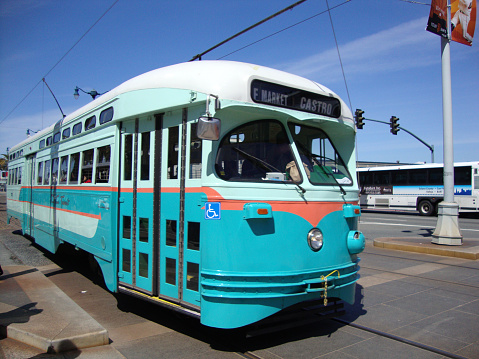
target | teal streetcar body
[{"x": 221, "y": 189}]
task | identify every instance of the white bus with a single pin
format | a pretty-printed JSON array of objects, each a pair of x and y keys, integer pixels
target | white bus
[{"x": 418, "y": 187}]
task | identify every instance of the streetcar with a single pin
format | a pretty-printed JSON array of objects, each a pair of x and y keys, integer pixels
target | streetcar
[
  {"x": 220, "y": 189},
  {"x": 418, "y": 187}
]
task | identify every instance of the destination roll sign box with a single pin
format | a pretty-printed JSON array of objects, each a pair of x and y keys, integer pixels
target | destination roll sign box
[{"x": 287, "y": 97}]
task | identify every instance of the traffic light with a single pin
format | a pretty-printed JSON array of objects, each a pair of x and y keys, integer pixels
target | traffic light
[
  {"x": 358, "y": 115},
  {"x": 394, "y": 125}
]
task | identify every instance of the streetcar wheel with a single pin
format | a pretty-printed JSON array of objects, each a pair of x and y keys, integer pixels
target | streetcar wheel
[{"x": 425, "y": 208}]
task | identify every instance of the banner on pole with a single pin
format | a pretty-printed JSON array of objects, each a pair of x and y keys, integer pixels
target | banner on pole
[
  {"x": 463, "y": 21},
  {"x": 437, "y": 23}
]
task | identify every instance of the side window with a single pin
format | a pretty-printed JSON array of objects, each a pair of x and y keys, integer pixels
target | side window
[
  {"x": 128, "y": 158},
  {"x": 195, "y": 154},
  {"x": 64, "y": 169},
  {"x": 145, "y": 156},
  {"x": 74, "y": 168},
  {"x": 462, "y": 175},
  {"x": 56, "y": 137},
  {"x": 40, "y": 173},
  {"x": 90, "y": 123},
  {"x": 66, "y": 133},
  {"x": 19, "y": 178},
  {"x": 46, "y": 177},
  {"x": 106, "y": 115},
  {"x": 77, "y": 129},
  {"x": 55, "y": 171},
  {"x": 173, "y": 145},
  {"x": 87, "y": 167},
  {"x": 49, "y": 141},
  {"x": 103, "y": 165},
  {"x": 42, "y": 144}
]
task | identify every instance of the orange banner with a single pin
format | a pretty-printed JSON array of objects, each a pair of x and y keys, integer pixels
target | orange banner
[
  {"x": 463, "y": 21},
  {"x": 437, "y": 23}
]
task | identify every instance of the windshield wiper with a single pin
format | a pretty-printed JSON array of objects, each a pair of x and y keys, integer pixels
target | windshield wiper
[
  {"x": 265, "y": 165},
  {"x": 315, "y": 157},
  {"x": 330, "y": 174}
]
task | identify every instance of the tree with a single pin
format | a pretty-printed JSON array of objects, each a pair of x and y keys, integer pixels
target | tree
[{"x": 4, "y": 162}]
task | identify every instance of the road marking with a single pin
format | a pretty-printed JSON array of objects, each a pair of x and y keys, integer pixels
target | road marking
[{"x": 412, "y": 225}]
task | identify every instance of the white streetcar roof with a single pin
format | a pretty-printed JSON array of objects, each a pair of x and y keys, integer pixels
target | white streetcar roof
[{"x": 227, "y": 79}]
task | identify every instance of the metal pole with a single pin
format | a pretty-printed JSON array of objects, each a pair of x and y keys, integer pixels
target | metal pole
[{"x": 447, "y": 228}]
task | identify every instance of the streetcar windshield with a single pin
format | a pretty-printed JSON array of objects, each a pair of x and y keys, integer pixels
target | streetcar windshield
[
  {"x": 257, "y": 151},
  {"x": 319, "y": 158}
]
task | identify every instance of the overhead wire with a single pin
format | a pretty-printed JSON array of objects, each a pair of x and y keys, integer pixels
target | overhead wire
[
  {"x": 60, "y": 60},
  {"x": 290, "y": 7},
  {"x": 416, "y": 2},
  {"x": 339, "y": 55},
  {"x": 282, "y": 30}
]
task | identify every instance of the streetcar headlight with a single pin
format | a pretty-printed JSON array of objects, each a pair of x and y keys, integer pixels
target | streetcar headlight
[{"x": 315, "y": 239}]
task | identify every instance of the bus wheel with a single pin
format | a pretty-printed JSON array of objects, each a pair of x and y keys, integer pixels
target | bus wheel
[{"x": 425, "y": 208}]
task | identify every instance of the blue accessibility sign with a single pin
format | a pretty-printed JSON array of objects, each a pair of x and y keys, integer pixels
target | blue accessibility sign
[{"x": 213, "y": 210}]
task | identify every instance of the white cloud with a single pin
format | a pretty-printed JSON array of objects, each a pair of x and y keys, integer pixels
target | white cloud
[{"x": 402, "y": 47}]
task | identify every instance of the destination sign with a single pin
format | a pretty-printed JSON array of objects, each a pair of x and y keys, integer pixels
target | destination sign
[{"x": 283, "y": 96}]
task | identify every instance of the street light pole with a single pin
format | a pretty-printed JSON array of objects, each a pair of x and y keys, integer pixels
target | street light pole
[{"x": 447, "y": 228}]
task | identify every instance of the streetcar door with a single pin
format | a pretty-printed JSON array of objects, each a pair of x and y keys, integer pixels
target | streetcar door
[
  {"x": 180, "y": 213},
  {"x": 29, "y": 178},
  {"x": 136, "y": 240}
]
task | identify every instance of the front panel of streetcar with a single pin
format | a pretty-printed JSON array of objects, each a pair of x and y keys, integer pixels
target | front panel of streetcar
[{"x": 280, "y": 223}]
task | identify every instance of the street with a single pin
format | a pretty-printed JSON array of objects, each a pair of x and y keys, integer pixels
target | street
[
  {"x": 407, "y": 305},
  {"x": 376, "y": 224}
]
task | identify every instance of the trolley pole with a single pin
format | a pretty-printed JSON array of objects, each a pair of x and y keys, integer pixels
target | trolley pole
[{"x": 447, "y": 228}]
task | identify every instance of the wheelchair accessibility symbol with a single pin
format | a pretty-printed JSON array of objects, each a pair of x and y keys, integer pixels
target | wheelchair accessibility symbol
[{"x": 213, "y": 210}]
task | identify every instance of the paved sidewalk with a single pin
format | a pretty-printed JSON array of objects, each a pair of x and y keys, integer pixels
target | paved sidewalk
[
  {"x": 36, "y": 312},
  {"x": 468, "y": 250}
]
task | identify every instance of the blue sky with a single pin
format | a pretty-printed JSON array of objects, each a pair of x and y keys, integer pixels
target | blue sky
[{"x": 392, "y": 65}]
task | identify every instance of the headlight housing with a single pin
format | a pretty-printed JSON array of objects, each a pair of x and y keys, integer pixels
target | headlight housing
[{"x": 315, "y": 239}]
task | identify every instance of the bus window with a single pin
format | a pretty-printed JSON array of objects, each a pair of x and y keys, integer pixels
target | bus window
[
  {"x": 46, "y": 177},
  {"x": 64, "y": 169},
  {"x": 399, "y": 177},
  {"x": 74, "y": 168},
  {"x": 381, "y": 178},
  {"x": 90, "y": 123},
  {"x": 462, "y": 175},
  {"x": 87, "y": 167},
  {"x": 173, "y": 135},
  {"x": 128, "y": 158},
  {"x": 195, "y": 153},
  {"x": 40, "y": 173},
  {"x": 418, "y": 177},
  {"x": 103, "y": 165},
  {"x": 145, "y": 157},
  {"x": 435, "y": 176}
]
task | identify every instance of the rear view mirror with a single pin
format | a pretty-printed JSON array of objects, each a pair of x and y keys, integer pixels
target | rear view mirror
[{"x": 208, "y": 128}]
